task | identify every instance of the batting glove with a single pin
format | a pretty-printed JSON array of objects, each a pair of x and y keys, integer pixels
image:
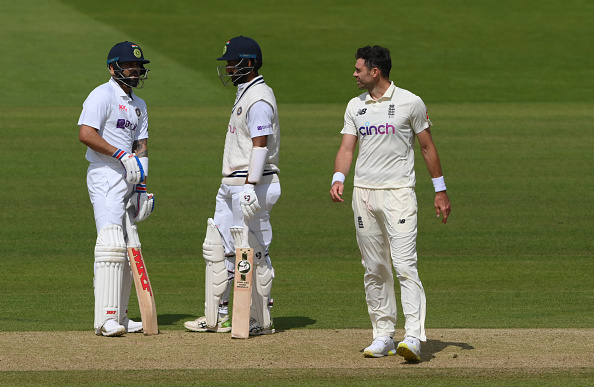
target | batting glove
[
  {"x": 143, "y": 203},
  {"x": 134, "y": 173},
  {"x": 249, "y": 202}
]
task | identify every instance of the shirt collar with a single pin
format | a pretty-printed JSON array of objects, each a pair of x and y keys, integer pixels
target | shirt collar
[
  {"x": 387, "y": 95},
  {"x": 118, "y": 89},
  {"x": 243, "y": 86}
]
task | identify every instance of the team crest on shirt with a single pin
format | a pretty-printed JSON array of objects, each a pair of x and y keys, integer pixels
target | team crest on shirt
[
  {"x": 137, "y": 110},
  {"x": 239, "y": 110},
  {"x": 391, "y": 111}
]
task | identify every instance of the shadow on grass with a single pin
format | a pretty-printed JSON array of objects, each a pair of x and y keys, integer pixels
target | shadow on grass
[
  {"x": 287, "y": 323},
  {"x": 172, "y": 319}
]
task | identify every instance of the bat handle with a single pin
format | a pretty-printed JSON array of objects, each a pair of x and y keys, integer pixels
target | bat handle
[{"x": 245, "y": 233}]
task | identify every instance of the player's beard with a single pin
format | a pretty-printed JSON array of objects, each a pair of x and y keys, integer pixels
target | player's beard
[{"x": 132, "y": 82}]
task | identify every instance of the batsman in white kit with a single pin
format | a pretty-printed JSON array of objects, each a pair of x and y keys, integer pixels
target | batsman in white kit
[
  {"x": 249, "y": 189},
  {"x": 385, "y": 122},
  {"x": 114, "y": 126}
]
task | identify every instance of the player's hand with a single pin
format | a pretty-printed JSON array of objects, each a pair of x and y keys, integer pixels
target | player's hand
[
  {"x": 336, "y": 191},
  {"x": 142, "y": 202},
  {"x": 249, "y": 202},
  {"x": 132, "y": 166},
  {"x": 442, "y": 205}
]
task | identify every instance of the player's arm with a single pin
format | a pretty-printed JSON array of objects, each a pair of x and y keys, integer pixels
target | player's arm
[
  {"x": 429, "y": 152},
  {"x": 91, "y": 138},
  {"x": 342, "y": 165},
  {"x": 260, "y": 115},
  {"x": 139, "y": 147}
]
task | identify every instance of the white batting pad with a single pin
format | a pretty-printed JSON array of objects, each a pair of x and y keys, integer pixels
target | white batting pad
[
  {"x": 127, "y": 280},
  {"x": 216, "y": 272},
  {"x": 261, "y": 283},
  {"x": 110, "y": 257}
]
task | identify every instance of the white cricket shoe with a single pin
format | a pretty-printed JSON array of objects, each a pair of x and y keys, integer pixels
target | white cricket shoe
[
  {"x": 410, "y": 349},
  {"x": 257, "y": 330},
  {"x": 199, "y": 325},
  {"x": 381, "y": 346},
  {"x": 111, "y": 328},
  {"x": 131, "y": 325}
]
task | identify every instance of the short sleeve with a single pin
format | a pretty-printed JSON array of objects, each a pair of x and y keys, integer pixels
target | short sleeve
[{"x": 419, "y": 119}]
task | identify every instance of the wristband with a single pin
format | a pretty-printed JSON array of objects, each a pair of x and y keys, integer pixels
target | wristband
[
  {"x": 338, "y": 176},
  {"x": 140, "y": 188},
  {"x": 439, "y": 184},
  {"x": 118, "y": 154}
]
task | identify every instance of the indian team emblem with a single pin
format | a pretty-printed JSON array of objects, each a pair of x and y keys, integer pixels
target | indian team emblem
[
  {"x": 244, "y": 267},
  {"x": 137, "y": 53},
  {"x": 137, "y": 110},
  {"x": 225, "y": 48},
  {"x": 239, "y": 111}
]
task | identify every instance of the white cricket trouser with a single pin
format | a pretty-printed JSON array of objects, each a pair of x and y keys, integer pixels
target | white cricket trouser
[
  {"x": 386, "y": 224},
  {"x": 228, "y": 213},
  {"x": 109, "y": 193}
]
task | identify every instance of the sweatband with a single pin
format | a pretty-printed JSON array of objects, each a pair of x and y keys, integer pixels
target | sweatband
[
  {"x": 259, "y": 156},
  {"x": 338, "y": 176},
  {"x": 439, "y": 184}
]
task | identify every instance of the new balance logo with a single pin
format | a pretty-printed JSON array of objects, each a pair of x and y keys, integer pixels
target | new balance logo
[
  {"x": 361, "y": 112},
  {"x": 401, "y": 221}
]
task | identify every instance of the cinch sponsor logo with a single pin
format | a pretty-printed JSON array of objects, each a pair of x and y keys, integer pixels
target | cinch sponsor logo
[
  {"x": 265, "y": 127},
  {"x": 380, "y": 129},
  {"x": 146, "y": 285},
  {"x": 125, "y": 124}
]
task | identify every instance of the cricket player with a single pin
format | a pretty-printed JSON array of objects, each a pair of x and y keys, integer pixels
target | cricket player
[
  {"x": 385, "y": 121},
  {"x": 114, "y": 127},
  {"x": 249, "y": 189}
]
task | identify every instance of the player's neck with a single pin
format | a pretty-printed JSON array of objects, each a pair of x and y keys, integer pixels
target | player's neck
[{"x": 379, "y": 89}]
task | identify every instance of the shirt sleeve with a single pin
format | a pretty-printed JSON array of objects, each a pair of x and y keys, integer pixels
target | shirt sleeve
[
  {"x": 419, "y": 118},
  {"x": 142, "y": 131},
  {"x": 349, "y": 121},
  {"x": 95, "y": 110},
  {"x": 259, "y": 119}
]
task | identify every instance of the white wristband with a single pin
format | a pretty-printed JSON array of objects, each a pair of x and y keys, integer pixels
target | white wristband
[
  {"x": 338, "y": 176},
  {"x": 439, "y": 184}
]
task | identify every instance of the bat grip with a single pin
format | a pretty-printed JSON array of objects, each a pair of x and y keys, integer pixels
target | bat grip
[{"x": 245, "y": 233}]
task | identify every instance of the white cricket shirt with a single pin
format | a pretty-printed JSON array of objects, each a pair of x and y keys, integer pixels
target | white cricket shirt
[
  {"x": 385, "y": 130},
  {"x": 254, "y": 114},
  {"x": 120, "y": 118}
]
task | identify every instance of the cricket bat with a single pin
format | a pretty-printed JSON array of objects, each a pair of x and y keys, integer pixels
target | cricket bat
[
  {"x": 142, "y": 283},
  {"x": 242, "y": 290}
]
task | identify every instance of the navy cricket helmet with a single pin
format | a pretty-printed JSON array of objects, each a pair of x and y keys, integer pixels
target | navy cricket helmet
[
  {"x": 124, "y": 52},
  {"x": 242, "y": 49}
]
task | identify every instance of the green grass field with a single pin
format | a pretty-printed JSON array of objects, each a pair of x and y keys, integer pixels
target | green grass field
[{"x": 509, "y": 88}]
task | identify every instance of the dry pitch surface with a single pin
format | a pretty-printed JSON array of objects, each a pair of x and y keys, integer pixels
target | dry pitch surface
[{"x": 531, "y": 350}]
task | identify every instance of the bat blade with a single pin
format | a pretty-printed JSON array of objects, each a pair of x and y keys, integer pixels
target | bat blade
[
  {"x": 144, "y": 291},
  {"x": 242, "y": 293}
]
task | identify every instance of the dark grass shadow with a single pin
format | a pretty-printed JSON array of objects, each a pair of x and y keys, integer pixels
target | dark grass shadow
[
  {"x": 169, "y": 319},
  {"x": 287, "y": 323}
]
